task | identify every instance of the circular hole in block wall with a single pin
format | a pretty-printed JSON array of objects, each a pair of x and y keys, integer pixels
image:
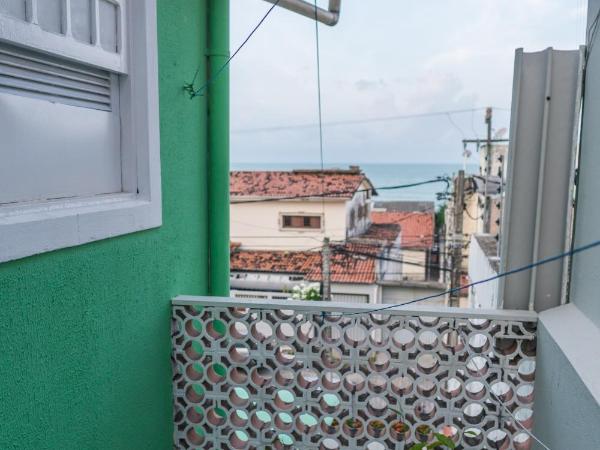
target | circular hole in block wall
[
  {"x": 428, "y": 340},
  {"x": 193, "y": 350},
  {"x": 285, "y": 354},
  {"x": 238, "y": 330},
  {"x": 473, "y": 413},
  {"x": 216, "y": 416},
  {"x": 503, "y": 391},
  {"x": 308, "y": 378},
  {"x": 355, "y": 335},
  {"x": 505, "y": 346},
  {"x": 331, "y": 334},
  {"x": 401, "y": 385},
  {"x": 426, "y": 387},
  {"x": 285, "y": 332},
  {"x": 284, "y": 376},
  {"x": 284, "y": 399},
  {"x": 239, "y": 396},
  {"x": 498, "y": 439},
  {"x": 329, "y": 444},
  {"x": 239, "y": 353},
  {"x": 477, "y": 366},
  {"x": 329, "y": 403},
  {"x": 425, "y": 409},
  {"x": 525, "y": 417},
  {"x": 527, "y": 370},
  {"x": 216, "y": 373},
  {"x": 472, "y": 436},
  {"x": 261, "y": 331},
  {"x": 330, "y": 425},
  {"x": 379, "y": 337},
  {"x": 403, "y": 339},
  {"x": 306, "y": 423},
  {"x": 331, "y": 357},
  {"x": 193, "y": 327},
  {"x": 331, "y": 381},
  {"x": 451, "y": 388},
  {"x": 479, "y": 343},
  {"x": 194, "y": 393},
  {"x": 239, "y": 312},
  {"x": 194, "y": 371},
  {"x": 284, "y": 442},
  {"x": 260, "y": 420},
  {"x": 522, "y": 441},
  {"x": 239, "y": 439},
  {"x": 195, "y": 435},
  {"x": 216, "y": 329},
  {"x": 377, "y": 406},
  {"x": 239, "y": 418},
  {"x": 354, "y": 382},
  {"x": 379, "y": 361},
  {"x": 377, "y": 383},
  {"x": 261, "y": 376},
  {"x": 453, "y": 341},
  {"x": 428, "y": 363},
  {"x": 283, "y": 421},
  {"x": 476, "y": 390},
  {"x": 238, "y": 375},
  {"x": 525, "y": 393},
  {"x": 195, "y": 414}
]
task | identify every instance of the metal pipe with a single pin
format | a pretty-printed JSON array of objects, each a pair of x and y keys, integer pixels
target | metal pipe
[{"x": 329, "y": 16}]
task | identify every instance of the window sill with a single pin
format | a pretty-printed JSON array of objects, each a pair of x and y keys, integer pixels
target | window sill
[{"x": 33, "y": 228}]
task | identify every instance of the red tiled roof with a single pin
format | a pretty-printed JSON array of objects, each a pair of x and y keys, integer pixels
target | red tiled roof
[
  {"x": 382, "y": 232},
  {"x": 344, "y": 268},
  {"x": 333, "y": 183},
  {"x": 417, "y": 228}
]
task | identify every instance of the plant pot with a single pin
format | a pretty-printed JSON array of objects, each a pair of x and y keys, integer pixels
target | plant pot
[
  {"x": 399, "y": 431},
  {"x": 376, "y": 428},
  {"x": 423, "y": 433},
  {"x": 353, "y": 427}
]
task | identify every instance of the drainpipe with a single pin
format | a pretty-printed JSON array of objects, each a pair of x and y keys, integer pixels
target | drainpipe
[
  {"x": 329, "y": 16},
  {"x": 218, "y": 149}
]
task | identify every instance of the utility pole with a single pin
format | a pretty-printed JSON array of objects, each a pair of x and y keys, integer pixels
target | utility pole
[
  {"x": 326, "y": 269},
  {"x": 457, "y": 240},
  {"x": 487, "y": 213}
]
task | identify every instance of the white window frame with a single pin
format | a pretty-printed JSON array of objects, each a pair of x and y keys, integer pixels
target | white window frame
[{"x": 31, "y": 228}]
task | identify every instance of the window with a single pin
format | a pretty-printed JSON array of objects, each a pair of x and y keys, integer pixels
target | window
[
  {"x": 79, "y": 154},
  {"x": 309, "y": 222}
]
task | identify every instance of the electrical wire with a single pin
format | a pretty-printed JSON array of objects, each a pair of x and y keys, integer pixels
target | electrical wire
[
  {"x": 541, "y": 262},
  {"x": 383, "y": 258},
  {"x": 193, "y": 91},
  {"x": 347, "y": 122}
]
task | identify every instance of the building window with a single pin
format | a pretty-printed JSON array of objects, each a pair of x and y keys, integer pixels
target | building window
[
  {"x": 81, "y": 74},
  {"x": 309, "y": 222}
]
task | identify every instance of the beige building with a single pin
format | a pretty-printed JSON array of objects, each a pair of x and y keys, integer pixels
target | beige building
[{"x": 296, "y": 210}]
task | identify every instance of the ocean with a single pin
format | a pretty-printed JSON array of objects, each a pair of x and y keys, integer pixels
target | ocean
[{"x": 385, "y": 175}]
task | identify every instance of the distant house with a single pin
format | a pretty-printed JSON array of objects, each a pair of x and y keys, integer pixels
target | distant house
[
  {"x": 484, "y": 263},
  {"x": 296, "y": 210}
]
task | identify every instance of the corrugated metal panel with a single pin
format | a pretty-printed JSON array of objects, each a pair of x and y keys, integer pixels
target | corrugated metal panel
[{"x": 541, "y": 158}]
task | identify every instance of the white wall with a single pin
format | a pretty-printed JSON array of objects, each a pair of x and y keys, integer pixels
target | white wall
[
  {"x": 258, "y": 225},
  {"x": 484, "y": 295}
]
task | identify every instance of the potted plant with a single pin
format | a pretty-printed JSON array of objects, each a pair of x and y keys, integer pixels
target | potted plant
[
  {"x": 441, "y": 441},
  {"x": 353, "y": 427},
  {"x": 376, "y": 428},
  {"x": 399, "y": 430},
  {"x": 423, "y": 433}
]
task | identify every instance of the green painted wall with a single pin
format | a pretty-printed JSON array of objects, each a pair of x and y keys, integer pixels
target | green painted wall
[{"x": 84, "y": 332}]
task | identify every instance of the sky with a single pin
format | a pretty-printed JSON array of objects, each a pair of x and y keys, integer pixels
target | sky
[{"x": 384, "y": 58}]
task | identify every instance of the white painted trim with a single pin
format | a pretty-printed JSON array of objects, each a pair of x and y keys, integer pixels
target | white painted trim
[
  {"x": 31, "y": 228},
  {"x": 26, "y": 34},
  {"x": 578, "y": 337}
]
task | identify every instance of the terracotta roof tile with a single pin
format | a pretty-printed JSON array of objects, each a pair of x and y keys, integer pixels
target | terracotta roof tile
[
  {"x": 344, "y": 268},
  {"x": 334, "y": 183},
  {"x": 417, "y": 228}
]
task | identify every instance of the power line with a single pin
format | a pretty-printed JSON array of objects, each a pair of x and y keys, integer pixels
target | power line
[
  {"x": 486, "y": 280},
  {"x": 193, "y": 91},
  {"x": 383, "y": 258},
  {"x": 336, "y": 193},
  {"x": 360, "y": 121}
]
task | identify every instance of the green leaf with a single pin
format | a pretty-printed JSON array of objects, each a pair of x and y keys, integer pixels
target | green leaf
[
  {"x": 418, "y": 446},
  {"x": 444, "y": 440}
]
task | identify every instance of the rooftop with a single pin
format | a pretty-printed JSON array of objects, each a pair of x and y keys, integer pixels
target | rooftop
[
  {"x": 337, "y": 183},
  {"x": 417, "y": 227}
]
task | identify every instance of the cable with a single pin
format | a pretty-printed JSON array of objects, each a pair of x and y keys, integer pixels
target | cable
[
  {"x": 318, "y": 55},
  {"x": 335, "y": 193},
  {"x": 199, "y": 91},
  {"x": 383, "y": 258},
  {"x": 361, "y": 121},
  {"x": 485, "y": 280}
]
